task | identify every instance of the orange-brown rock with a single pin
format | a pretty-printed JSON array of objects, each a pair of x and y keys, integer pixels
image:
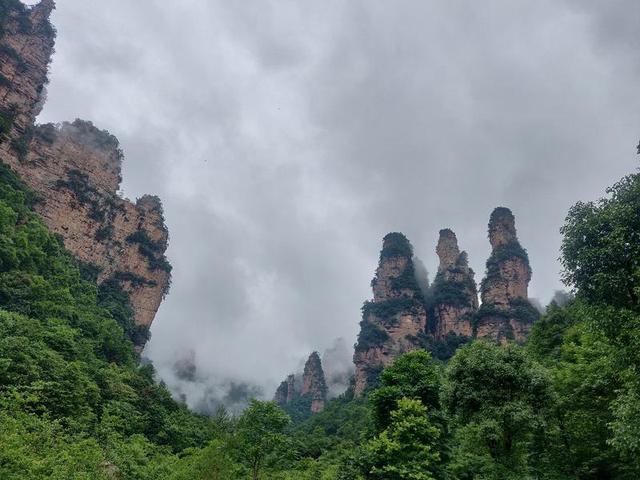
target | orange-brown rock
[
  {"x": 26, "y": 43},
  {"x": 312, "y": 394},
  {"x": 394, "y": 321},
  {"x": 285, "y": 393},
  {"x": 75, "y": 169},
  {"x": 454, "y": 290},
  {"x": 506, "y": 313},
  {"x": 313, "y": 383}
]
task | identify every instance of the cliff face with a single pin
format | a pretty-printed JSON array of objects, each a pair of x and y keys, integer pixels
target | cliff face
[
  {"x": 454, "y": 291},
  {"x": 312, "y": 396},
  {"x": 394, "y": 321},
  {"x": 26, "y": 45},
  {"x": 75, "y": 169},
  {"x": 506, "y": 313}
]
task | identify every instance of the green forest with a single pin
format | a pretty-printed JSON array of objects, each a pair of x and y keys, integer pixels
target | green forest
[{"x": 76, "y": 404}]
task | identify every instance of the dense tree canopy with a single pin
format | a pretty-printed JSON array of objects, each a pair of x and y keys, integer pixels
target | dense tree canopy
[{"x": 75, "y": 403}]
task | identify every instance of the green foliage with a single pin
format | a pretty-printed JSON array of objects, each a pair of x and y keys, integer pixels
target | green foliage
[
  {"x": 78, "y": 183},
  {"x": 547, "y": 335},
  {"x": 586, "y": 383},
  {"x": 412, "y": 375},
  {"x": 152, "y": 251},
  {"x": 371, "y": 335},
  {"x": 600, "y": 259},
  {"x": 601, "y": 247},
  {"x": 20, "y": 145},
  {"x": 496, "y": 398},
  {"x": 299, "y": 409},
  {"x": 442, "y": 349},
  {"x": 395, "y": 244},
  {"x": 406, "y": 281},
  {"x": 344, "y": 423},
  {"x": 260, "y": 435},
  {"x": 46, "y": 132},
  {"x": 113, "y": 298},
  {"x": 10, "y": 52},
  {"x": 6, "y": 119},
  {"x": 35, "y": 448},
  {"x": 103, "y": 233},
  {"x": 520, "y": 309},
  {"x": 74, "y": 403},
  {"x": 72, "y": 398},
  {"x": 386, "y": 310},
  {"x": 133, "y": 279},
  {"x": 18, "y": 11},
  {"x": 449, "y": 292},
  {"x": 407, "y": 448}
]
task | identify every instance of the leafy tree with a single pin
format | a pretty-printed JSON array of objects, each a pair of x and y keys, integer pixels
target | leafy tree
[
  {"x": 600, "y": 255},
  {"x": 412, "y": 375},
  {"x": 548, "y": 333},
  {"x": 260, "y": 434},
  {"x": 601, "y": 247},
  {"x": 407, "y": 449},
  {"x": 496, "y": 397}
]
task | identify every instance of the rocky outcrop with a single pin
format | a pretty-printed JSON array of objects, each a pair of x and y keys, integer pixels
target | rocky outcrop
[
  {"x": 394, "y": 321},
  {"x": 286, "y": 392},
  {"x": 454, "y": 295},
  {"x": 311, "y": 396},
  {"x": 506, "y": 313},
  {"x": 75, "y": 170},
  {"x": 26, "y": 45},
  {"x": 313, "y": 383}
]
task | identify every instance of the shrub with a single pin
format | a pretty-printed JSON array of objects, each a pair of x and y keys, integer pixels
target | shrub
[
  {"x": 79, "y": 184},
  {"x": 449, "y": 292},
  {"x": 21, "y": 146},
  {"x": 371, "y": 335},
  {"x": 395, "y": 244},
  {"x": 89, "y": 271},
  {"x": 387, "y": 309},
  {"x": 152, "y": 251},
  {"x": 104, "y": 232}
]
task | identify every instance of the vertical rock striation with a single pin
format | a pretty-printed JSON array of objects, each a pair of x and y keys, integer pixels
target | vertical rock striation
[
  {"x": 394, "y": 321},
  {"x": 506, "y": 313},
  {"x": 75, "y": 169},
  {"x": 310, "y": 397},
  {"x": 285, "y": 393},
  {"x": 454, "y": 293},
  {"x": 313, "y": 383},
  {"x": 26, "y": 45}
]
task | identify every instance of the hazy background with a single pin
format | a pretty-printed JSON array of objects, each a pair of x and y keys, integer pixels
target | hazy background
[{"x": 285, "y": 138}]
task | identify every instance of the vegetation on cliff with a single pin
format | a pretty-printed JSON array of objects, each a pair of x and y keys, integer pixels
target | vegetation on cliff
[{"x": 75, "y": 404}]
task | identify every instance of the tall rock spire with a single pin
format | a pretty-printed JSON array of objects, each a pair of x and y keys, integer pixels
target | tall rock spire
[
  {"x": 26, "y": 41},
  {"x": 394, "y": 321},
  {"x": 506, "y": 313},
  {"x": 313, "y": 383},
  {"x": 308, "y": 398},
  {"x": 454, "y": 294},
  {"x": 286, "y": 393}
]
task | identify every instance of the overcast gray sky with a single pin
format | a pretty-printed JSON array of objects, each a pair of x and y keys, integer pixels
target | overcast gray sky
[{"x": 285, "y": 138}]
